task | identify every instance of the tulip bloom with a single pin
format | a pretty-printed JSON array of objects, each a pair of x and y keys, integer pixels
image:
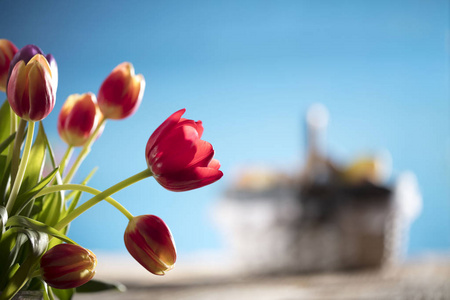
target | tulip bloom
[
  {"x": 78, "y": 119},
  {"x": 7, "y": 52},
  {"x": 67, "y": 266},
  {"x": 178, "y": 158},
  {"x": 149, "y": 241},
  {"x": 32, "y": 89},
  {"x": 121, "y": 93},
  {"x": 27, "y": 53}
]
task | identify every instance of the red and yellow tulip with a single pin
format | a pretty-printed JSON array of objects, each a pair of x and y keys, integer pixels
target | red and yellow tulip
[
  {"x": 67, "y": 266},
  {"x": 121, "y": 93},
  {"x": 150, "y": 242},
  {"x": 78, "y": 119}
]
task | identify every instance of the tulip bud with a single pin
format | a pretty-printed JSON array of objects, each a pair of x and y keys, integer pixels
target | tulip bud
[
  {"x": 31, "y": 89},
  {"x": 7, "y": 52},
  {"x": 78, "y": 119},
  {"x": 67, "y": 266},
  {"x": 149, "y": 241},
  {"x": 178, "y": 158},
  {"x": 121, "y": 93},
  {"x": 27, "y": 53}
]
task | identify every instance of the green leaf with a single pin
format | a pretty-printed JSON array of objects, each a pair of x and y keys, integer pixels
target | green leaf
[
  {"x": 34, "y": 170},
  {"x": 22, "y": 221},
  {"x": 3, "y": 168},
  {"x": 66, "y": 294},
  {"x": 7, "y": 242},
  {"x": 38, "y": 241},
  {"x": 5, "y": 123},
  {"x": 20, "y": 240},
  {"x": 3, "y": 219},
  {"x": 20, "y": 278},
  {"x": 35, "y": 162},
  {"x": 99, "y": 286},
  {"x": 4, "y": 178},
  {"x": 4, "y": 145},
  {"x": 48, "y": 145},
  {"x": 52, "y": 209},
  {"x": 24, "y": 198}
]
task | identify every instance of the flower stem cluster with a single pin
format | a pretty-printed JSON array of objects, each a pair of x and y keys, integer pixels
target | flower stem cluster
[{"x": 35, "y": 211}]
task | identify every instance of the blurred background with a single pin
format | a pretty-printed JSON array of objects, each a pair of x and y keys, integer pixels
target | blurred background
[{"x": 249, "y": 70}]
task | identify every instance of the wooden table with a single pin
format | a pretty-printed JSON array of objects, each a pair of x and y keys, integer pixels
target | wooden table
[{"x": 427, "y": 278}]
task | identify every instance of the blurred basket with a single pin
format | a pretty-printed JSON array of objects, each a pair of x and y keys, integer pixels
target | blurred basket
[{"x": 319, "y": 228}]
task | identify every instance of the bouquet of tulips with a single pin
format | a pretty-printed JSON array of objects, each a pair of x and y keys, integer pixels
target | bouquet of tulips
[{"x": 36, "y": 208}]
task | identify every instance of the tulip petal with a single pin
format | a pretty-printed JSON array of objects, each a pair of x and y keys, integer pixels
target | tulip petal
[
  {"x": 189, "y": 179},
  {"x": 17, "y": 87},
  {"x": 178, "y": 151},
  {"x": 197, "y": 125},
  {"x": 144, "y": 254},
  {"x": 214, "y": 163},
  {"x": 39, "y": 90},
  {"x": 7, "y": 52},
  {"x": 163, "y": 129},
  {"x": 132, "y": 100},
  {"x": 203, "y": 155},
  {"x": 24, "y": 54}
]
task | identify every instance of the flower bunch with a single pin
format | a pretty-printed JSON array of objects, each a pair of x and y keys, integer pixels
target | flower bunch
[{"x": 35, "y": 211}]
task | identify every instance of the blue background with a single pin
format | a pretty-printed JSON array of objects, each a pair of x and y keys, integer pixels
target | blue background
[{"x": 249, "y": 70}]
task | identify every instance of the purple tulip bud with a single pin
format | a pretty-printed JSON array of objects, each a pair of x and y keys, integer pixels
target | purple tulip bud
[{"x": 27, "y": 53}]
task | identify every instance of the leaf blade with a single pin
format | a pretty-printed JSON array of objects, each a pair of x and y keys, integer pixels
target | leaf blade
[{"x": 22, "y": 221}]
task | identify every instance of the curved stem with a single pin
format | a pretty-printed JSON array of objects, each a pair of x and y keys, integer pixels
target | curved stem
[
  {"x": 36, "y": 273},
  {"x": 84, "y": 152},
  {"x": 91, "y": 202},
  {"x": 65, "y": 159},
  {"x": 87, "y": 189},
  {"x": 12, "y": 120},
  {"x": 16, "y": 150},
  {"x": 22, "y": 167}
]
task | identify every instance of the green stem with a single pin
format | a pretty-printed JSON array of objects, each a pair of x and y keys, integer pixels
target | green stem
[
  {"x": 22, "y": 167},
  {"x": 87, "y": 189},
  {"x": 91, "y": 202},
  {"x": 12, "y": 120},
  {"x": 12, "y": 127},
  {"x": 36, "y": 273},
  {"x": 84, "y": 152},
  {"x": 16, "y": 150},
  {"x": 65, "y": 159}
]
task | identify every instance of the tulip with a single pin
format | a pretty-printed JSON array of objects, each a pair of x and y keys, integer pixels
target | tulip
[
  {"x": 178, "y": 158},
  {"x": 121, "y": 93},
  {"x": 7, "y": 52},
  {"x": 67, "y": 266},
  {"x": 149, "y": 241},
  {"x": 27, "y": 53},
  {"x": 78, "y": 119},
  {"x": 32, "y": 88}
]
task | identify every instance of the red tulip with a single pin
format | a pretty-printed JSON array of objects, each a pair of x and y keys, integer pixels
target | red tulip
[
  {"x": 178, "y": 158},
  {"x": 78, "y": 119},
  {"x": 67, "y": 266},
  {"x": 7, "y": 52},
  {"x": 149, "y": 241},
  {"x": 32, "y": 89},
  {"x": 121, "y": 93}
]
